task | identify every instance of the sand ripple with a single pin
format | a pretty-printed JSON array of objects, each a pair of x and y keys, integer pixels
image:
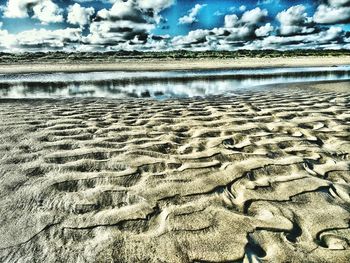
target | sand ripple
[{"x": 254, "y": 177}]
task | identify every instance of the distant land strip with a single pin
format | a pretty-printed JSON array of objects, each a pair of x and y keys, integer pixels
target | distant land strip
[{"x": 23, "y": 64}]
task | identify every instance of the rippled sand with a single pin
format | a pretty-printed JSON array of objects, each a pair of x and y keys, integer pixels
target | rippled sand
[{"x": 260, "y": 176}]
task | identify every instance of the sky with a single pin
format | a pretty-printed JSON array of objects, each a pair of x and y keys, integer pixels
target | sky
[{"x": 161, "y": 25}]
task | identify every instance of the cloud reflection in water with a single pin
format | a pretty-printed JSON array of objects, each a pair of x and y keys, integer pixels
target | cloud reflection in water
[{"x": 159, "y": 85}]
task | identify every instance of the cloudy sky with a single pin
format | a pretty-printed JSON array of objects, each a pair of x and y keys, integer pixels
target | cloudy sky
[{"x": 105, "y": 25}]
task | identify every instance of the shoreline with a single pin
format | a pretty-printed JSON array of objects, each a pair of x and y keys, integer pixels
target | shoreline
[{"x": 182, "y": 64}]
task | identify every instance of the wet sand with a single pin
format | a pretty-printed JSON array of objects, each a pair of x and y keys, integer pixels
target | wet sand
[
  {"x": 255, "y": 177},
  {"x": 181, "y": 64}
]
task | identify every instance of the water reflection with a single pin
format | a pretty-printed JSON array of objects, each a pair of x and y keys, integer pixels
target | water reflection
[{"x": 159, "y": 85}]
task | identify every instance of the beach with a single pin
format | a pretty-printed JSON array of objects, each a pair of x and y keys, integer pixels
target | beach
[
  {"x": 252, "y": 177},
  {"x": 172, "y": 64}
]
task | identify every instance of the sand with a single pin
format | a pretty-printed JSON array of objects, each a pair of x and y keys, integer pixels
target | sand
[
  {"x": 180, "y": 64},
  {"x": 255, "y": 177}
]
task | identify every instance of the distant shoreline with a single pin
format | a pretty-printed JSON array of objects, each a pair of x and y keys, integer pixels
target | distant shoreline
[{"x": 168, "y": 64}]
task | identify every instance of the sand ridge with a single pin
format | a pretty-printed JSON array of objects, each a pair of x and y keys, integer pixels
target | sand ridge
[{"x": 254, "y": 177}]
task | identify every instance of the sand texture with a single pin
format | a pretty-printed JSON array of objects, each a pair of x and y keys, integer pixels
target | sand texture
[
  {"x": 255, "y": 177},
  {"x": 178, "y": 64}
]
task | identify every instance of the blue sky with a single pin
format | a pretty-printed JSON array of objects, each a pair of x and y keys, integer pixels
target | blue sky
[
  {"x": 42, "y": 25},
  {"x": 212, "y": 15}
]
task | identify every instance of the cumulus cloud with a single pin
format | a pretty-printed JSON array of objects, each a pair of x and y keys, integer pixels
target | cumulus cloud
[
  {"x": 121, "y": 10},
  {"x": 78, "y": 15},
  {"x": 332, "y": 14},
  {"x": 114, "y": 32},
  {"x": 156, "y": 5},
  {"x": 7, "y": 40},
  {"x": 295, "y": 21},
  {"x": 191, "y": 17},
  {"x": 339, "y": 2},
  {"x": 47, "y": 12},
  {"x": 49, "y": 38},
  {"x": 44, "y": 10},
  {"x": 231, "y": 21},
  {"x": 331, "y": 36},
  {"x": 254, "y": 16},
  {"x": 264, "y": 31},
  {"x": 194, "y": 37},
  {"x": 40, "y": 39},
  {"x": 234, "y": 33},
  {"x": 126, "y": 22},
  {"x": 17, "y": 8}
]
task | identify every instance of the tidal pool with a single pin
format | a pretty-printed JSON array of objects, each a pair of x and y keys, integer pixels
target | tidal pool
[{"x": 159, "y": 85}]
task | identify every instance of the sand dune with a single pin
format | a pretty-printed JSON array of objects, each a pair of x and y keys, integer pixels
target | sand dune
[{"x": 254, "y": 177}]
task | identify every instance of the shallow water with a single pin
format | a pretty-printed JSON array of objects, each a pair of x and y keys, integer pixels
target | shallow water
[{"x": 159, "y": 85}]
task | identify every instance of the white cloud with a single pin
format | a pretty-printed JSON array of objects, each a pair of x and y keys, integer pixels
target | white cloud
[
  {"x": 294, "y": 21},
  {"x": 17, "y": 8},
  {"x": 332, "y": 14},
  {"x": 157, "y": 5},
  {"x": 321, "y": 39},
  {"x": 44, "y": 10},
  {"x": 251, "y": 17},
  {"x": 47, "y": 12},
  {"x": 254, "y": 16},
  {"x": 193, "y": 37},
  {"x": 128, "y": 22},
  {"x": 78, "y": 15},
  {"x": 51, "y": 38},
  {"x": 7, "y": 40},
  {"x": 217, "y": 38},
  {"x": 338, "y": 2},
  {"x": 114, "y": 32},
  {"x": 264, "y": 31},
  {"x": 234, "y": 33},
  {"x": 40, "y": 39},
  {"x": 123, "y": 10},
  {"x": 231, "y": 21},
  {"x": 192, "y": 15},
  {"x": 242, "y": 8}
]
